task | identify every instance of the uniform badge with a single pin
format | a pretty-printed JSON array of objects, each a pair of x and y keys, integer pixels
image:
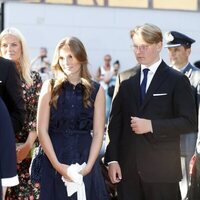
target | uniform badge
[{"x": 169, "y": 37}]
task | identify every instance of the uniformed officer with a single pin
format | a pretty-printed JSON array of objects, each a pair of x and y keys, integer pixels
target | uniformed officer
[{"x": 179, "y": 50}]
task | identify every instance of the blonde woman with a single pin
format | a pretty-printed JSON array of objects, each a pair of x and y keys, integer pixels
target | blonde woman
[
  {"x": 13, "y": 47},
  {"x": 68, "y": 111}
]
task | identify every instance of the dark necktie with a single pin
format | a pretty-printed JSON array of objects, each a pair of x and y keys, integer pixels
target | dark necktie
[{"x": 143, "y": 85}]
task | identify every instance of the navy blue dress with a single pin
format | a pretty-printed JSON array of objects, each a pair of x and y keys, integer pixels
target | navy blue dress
[{"x": 70, "y": 132}]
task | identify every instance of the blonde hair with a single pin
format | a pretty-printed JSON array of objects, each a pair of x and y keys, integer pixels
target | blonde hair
[
  {"x": 78, "y": 50},
  {"x": 24, "y": 62},
  {"x": 150, "y": 33}
]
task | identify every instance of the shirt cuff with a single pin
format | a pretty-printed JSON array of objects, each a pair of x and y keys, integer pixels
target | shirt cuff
[
  {"x": 9, "y": 182},
  {"x": 198, "y": 147},
  {"x": 114, "y": 161}
]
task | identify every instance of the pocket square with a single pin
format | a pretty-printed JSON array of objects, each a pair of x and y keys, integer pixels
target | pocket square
[{"x": 159, "y": 94}]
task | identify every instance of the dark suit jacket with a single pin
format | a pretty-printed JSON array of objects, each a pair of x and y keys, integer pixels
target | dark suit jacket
[
  {"x": 7, "y": 145},
  {"x": 188, "y": 141},
  {"x": 121, "y": 77},
  {"x": 156, "y": 156},
  {"x": 11, "y": 92}
]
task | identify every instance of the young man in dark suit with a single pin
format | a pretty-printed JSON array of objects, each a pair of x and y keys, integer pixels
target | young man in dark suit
[
  {"x": 149, "y": 112},
  {"x": 179, "y": 50},
  {"x": 8, "y": 171},
  {"x": 11, "y": 92}
]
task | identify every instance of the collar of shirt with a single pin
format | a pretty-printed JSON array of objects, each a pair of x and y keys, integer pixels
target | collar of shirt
[
  {"x": 153, "y": 67},
  {"x": 151, "y": 73},
  {"x": 182, "y": 69}
]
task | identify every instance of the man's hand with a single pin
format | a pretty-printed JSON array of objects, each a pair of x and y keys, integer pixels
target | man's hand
[
  {"x": 140, "y": 125},
  {"x": 114, "y": 172}
]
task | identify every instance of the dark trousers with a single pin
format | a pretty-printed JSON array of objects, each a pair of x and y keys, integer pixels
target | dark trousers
[{"x": 137, "y": 189}]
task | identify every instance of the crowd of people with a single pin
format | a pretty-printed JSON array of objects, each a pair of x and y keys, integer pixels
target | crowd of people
[{"x": 150, "y": 113}]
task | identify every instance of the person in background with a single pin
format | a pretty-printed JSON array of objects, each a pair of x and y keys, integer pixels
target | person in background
[
  {"x": 103, "y": 76},
  {"x": 70, "y": 109},
  {"x": 148, "y": 116},
  {"x": 111, "y": 86},
  {"x": 8, "y": 170},
  {"x": 41, "y": 64},
  {"x": 197, "y": 64},
  {"x": 13, "y": 47},
  {"x": 116, "y": 66},
  {"x": 179, "y": 50}
]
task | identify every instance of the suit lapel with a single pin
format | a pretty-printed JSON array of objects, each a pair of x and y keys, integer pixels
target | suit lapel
[
  {"x": 158, "y": 78},
  {"x": 134, "y": 87}
]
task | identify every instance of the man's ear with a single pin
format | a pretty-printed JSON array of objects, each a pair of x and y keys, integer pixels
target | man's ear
[
  {"x": 159, "y": 46},
  {"x": 188, "y": 50}
]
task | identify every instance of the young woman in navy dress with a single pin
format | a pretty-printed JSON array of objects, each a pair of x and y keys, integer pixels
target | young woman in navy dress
[{"x": 71, "y": 121}]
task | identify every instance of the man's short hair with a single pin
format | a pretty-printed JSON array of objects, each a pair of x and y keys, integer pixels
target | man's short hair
[{"x": 150, "y": 33}]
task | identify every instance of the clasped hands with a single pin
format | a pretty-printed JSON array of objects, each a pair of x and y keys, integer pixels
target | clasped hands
[
  {"x": 63, "y": 170},
  {"x": 140, "y": 125}
]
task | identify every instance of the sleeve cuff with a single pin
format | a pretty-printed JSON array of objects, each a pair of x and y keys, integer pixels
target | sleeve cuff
[
  {"x": 198, "y": 147},
  {"x": 9, "y": 182},
  {"x": 112, "y": 162}
]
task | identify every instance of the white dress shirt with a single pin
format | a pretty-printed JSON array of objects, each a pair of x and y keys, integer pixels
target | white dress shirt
[{"x": 151, "y": 73}]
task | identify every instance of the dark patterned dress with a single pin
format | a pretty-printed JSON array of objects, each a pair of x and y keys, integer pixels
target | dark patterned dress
[
  {"x": 70, "y": 132},
  {"x": 25, "y": 190}
]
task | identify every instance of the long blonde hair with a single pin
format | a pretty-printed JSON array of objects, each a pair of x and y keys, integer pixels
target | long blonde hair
[
  {"x": 78, "y": 50},
  {"x": 24, "y": 62}
]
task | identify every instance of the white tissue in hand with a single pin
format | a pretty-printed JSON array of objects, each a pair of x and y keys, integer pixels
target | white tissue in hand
[
  {"x": 77, "y": 185},
  {"x": 73, "y": 172}
]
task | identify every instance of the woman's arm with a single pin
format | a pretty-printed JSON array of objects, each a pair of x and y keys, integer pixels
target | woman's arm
[
  {"x": 108, "y": 76},
  {"x": 24, "y": 149},
  {"x": 98, "y": 130},
  {"x": 43, "y": 116},
  {"x": 98, "y": 75}
]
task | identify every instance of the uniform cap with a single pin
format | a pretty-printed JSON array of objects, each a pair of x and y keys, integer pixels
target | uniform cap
[{"x": 175, "y": 39}]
